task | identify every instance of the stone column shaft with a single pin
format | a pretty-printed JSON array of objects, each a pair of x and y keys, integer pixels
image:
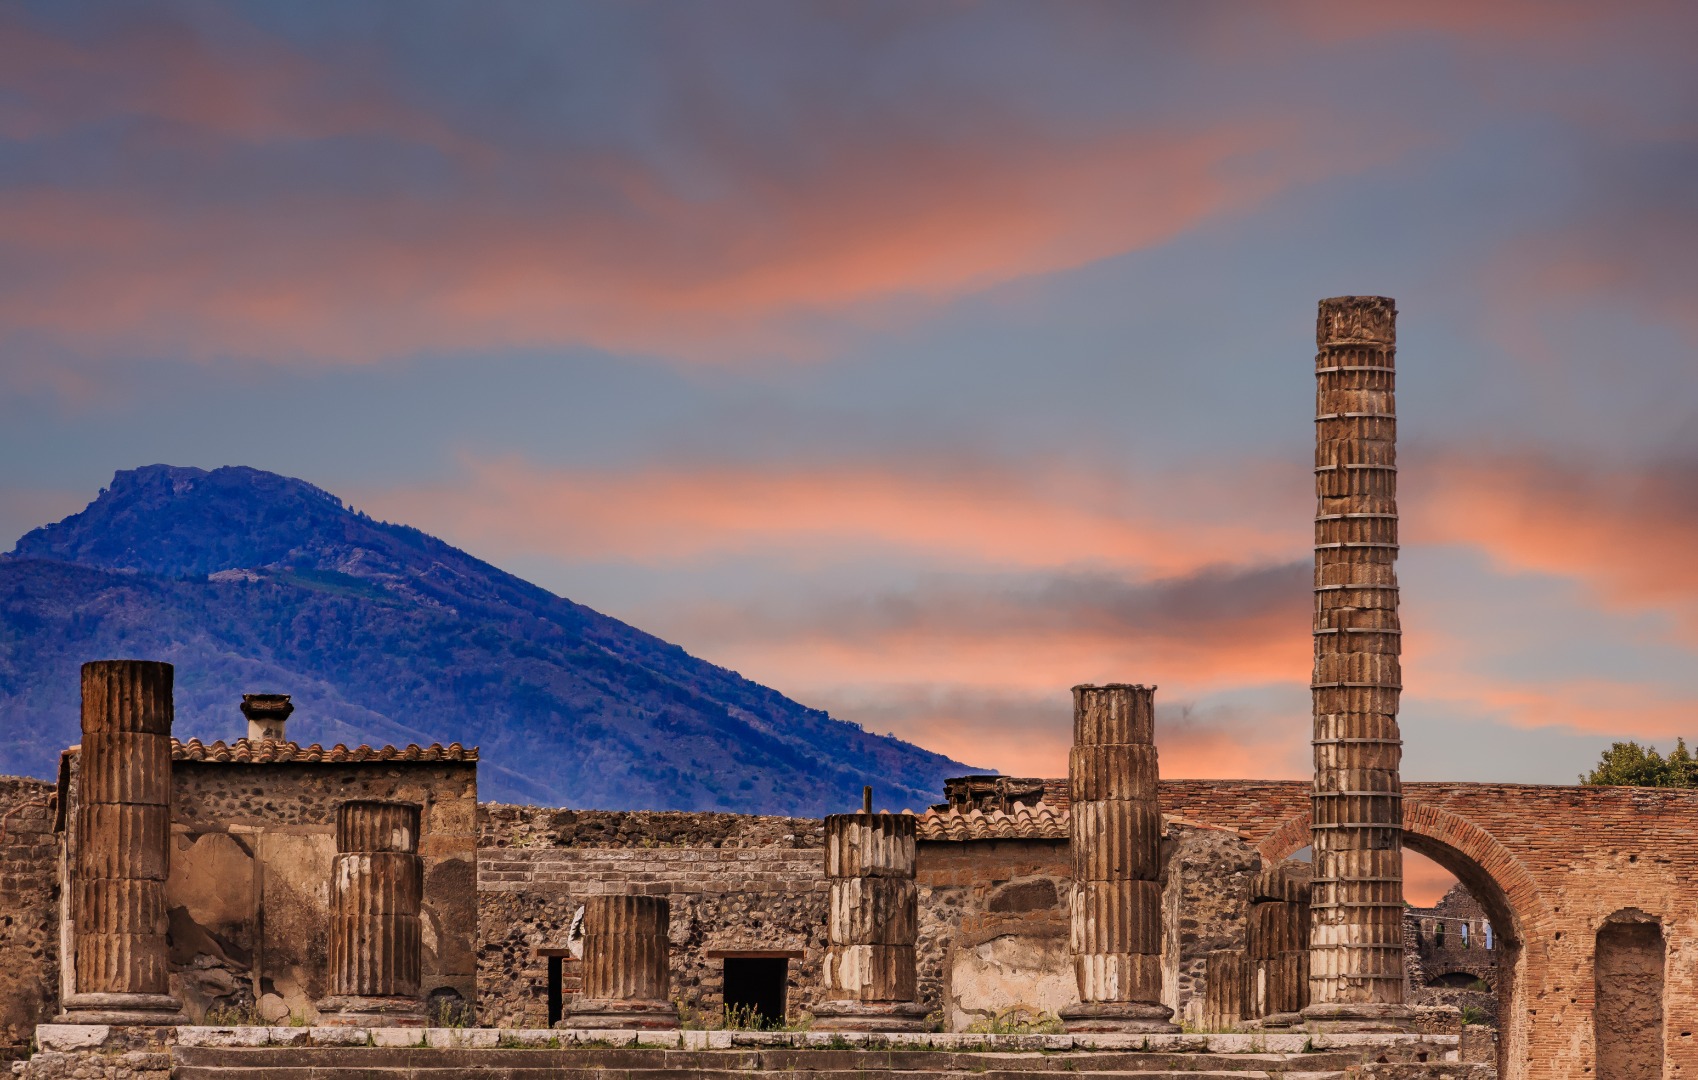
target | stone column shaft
[
  {"x": 1115, "y": 834},
  {"x": 872, "y": 924},
  {"x": 121, "y": 857},
  {"x": 1356, "y": 943},
  {"x": 627, "y": 964},
  {"x": 1278, "y": 948},
  {"x": 376, "y": 889}
]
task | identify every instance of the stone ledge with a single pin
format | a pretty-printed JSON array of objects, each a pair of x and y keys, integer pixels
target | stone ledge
[{"x": 78, "y": 1037}]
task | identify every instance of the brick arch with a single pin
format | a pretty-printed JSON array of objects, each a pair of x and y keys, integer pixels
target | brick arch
[{"x": 1492, "y": 863}]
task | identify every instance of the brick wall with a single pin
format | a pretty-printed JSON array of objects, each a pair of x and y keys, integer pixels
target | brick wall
[
  {"x": 29, "y": 911},
  {"x": 1551, "y": 866}
]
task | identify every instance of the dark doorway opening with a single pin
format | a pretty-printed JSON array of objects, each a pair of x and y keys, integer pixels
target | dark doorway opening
[
  {"x": 755, "y": 990},
  {"x": 556, "y": 995}
]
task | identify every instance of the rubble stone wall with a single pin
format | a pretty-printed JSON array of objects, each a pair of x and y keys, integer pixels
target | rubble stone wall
[
  {"x": 1205, "y": 906},
  {"x": 249, "y": 897},
  {"x": 29, "y": 911},
  {"x": 735, "y": 882}
]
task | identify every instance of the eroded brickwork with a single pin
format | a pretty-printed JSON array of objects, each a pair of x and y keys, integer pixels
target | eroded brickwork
[{"x": 1551, "y": 866}]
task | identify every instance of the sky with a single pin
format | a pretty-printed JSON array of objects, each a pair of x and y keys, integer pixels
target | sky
[{"x": 918, "y": 360}]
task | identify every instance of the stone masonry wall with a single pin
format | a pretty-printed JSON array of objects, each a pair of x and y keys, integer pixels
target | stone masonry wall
[
  {"x": 736, "y": 882},
  {"x": 248, "y": 894},
  {"x": 993, "y": 927},
  {"x": 29, "y": 911},
  {"x": 1205, "y": 906}
]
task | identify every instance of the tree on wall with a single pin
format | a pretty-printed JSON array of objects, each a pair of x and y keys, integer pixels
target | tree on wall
[{"x": 1627, "y": 764}]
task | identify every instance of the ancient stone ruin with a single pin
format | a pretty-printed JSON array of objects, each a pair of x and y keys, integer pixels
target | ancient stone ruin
[{"x": 263, "y": 907}]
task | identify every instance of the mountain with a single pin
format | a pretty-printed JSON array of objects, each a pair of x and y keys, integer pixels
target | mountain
[{"x": 250, "y": 582}]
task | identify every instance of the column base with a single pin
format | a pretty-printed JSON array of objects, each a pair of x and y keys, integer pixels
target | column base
[
  {"x": 359, "y": 1010},
  {"x": 1373, "y": 1019},
  {"x": 151, "y": 1010},
  {"x": 1119, "y": 1018},
  {"x": 638, "y": 1014},
  {"x": 1279, "y": 1022},
  {"x": 891, "y": 1017}
]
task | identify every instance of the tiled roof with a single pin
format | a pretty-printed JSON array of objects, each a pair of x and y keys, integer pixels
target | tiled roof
[
  {"x": 268, "y": 752},
  {"x": 1040, "y": 822}
]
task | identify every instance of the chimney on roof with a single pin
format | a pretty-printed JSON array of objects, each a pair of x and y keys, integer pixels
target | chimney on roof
[{"x": 266, "y": 715}]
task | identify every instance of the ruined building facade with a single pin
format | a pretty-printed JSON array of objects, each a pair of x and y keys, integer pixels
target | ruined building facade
[{"x": 266, "y": 880}]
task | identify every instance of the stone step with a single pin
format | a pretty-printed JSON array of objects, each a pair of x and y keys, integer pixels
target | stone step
[
  {"x": 663, "y": 1064},
  {"x": 487, "y": 1069},
  {"x": 595, "y": 1063}
]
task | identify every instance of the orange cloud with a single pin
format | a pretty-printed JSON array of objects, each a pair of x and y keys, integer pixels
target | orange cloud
[
  {"x": 1030, "y": 734},
  {"x": 1034, "y": 515},
  {"x": 1628, "y": 534}
]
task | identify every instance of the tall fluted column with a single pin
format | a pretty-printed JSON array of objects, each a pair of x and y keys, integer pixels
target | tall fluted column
[
  {"x": 376, "y": 887},
  {"x": 627, "y": 965},
  {"x": 1116, "y": 842},
  {"x": 873, "y": 923},
  {"x": 1356, "y": 941},
  {"x": 119, "y": 864}
]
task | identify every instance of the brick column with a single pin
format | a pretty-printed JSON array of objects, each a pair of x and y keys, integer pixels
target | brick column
[
  {"x": 873, "y": 922},
  {"x": 376, "y": 887},
  {"x": 120, "y": 852},
  {"x": 1115, "y": 836},
  {"x": 1356, "y": 942},
  {"x": 627, "y": 965}
]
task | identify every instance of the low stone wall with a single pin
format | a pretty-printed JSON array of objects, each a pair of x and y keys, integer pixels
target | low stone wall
[{"x": 29, "y": 911}]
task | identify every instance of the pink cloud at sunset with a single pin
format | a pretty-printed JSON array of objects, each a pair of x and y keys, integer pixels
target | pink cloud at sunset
[
  {"x": 1626, "y": 533},
  {"x": 1030, "y": 515},
  {"x": 619, "y": 259}
]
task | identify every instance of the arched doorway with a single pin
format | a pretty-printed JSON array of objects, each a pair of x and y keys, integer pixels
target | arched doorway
[{"x": 1508, "y": 894}]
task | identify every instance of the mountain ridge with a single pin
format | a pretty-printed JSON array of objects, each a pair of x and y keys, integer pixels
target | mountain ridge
[{"x": 253, "y": 581}]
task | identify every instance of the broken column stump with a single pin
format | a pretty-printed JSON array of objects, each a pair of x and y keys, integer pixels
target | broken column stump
[
  {"x": 376, "y": 887},
  {"x": 1277, "y": 976},
  {"x": 873, "y": 923},
  {"x": 1356, "y": 977},
  {"x": 120, "y": 853},
  {"x": 1116, "y": 846},
  {"x": 627, "y": 965}
]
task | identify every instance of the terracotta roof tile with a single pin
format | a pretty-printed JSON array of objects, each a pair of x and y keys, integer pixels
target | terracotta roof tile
[
  {"x": 267, "y": 752},
  {"x": 1040, "y": 822}
]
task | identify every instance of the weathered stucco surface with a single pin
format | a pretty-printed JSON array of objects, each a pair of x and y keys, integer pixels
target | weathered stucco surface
[{"x": 249, "y": 887}]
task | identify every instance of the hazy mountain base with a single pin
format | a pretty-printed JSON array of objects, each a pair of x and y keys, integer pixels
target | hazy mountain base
[{"x": 249, "y": 581}]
